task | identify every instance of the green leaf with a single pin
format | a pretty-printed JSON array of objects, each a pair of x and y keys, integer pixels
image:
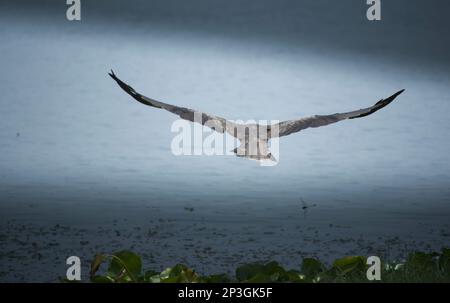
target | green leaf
[
  {"x": 150, "y": 276},
  {"x": 419, "y": 261},
  {"x": 95, "y": 264},
  {"x": 276, "y": 272},
  {"x": 295, "y": 276},
  {"x": 247, "y": 271},
  {"x": 177, "y": 270},
  {"x": 165, "y": 273},
  {"x": 126, "y": 266},
  {"x": 273, "y": 267},
  {"x": 349, "y": 265},
  {"x": 125, "y": 263},
  {"x": 260, "y": 278},
  {"x": 444, "y": 261},
  {"x": 178, "y": 274},
  {"x": 256, "y": 272},
  {"x": 311, "y": 267}
]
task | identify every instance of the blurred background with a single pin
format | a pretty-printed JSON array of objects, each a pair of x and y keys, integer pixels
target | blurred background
[{"x": 85, "y": 169}]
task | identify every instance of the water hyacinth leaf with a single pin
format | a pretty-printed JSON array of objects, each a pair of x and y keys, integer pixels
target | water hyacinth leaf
[
  {"x": 349, "y": 265},
  {"x": 311, "y": 267},
  {"x": 276, "y": 272},
  {"x": 179, "y": 274},
  {"x": 154, "y": 279},
  {"x": 295, "y": 276},
  {"x": 444, "y": 260},
  {"x": 165, "y": 273},
  {"x": 95, "y": 264},
  {"x": 256, "y": 272},
  {"x": 187, "y": 273},
  {"x": 446, "y": 252},
  {"x": 174, "y": 279},
  {"x": 260, "y": 278},
  {"x": 274, "y": 267},
  {"x": 347, "y": 269},
  {"x": 247, "y": 271},
  {"x": 177, "y": 270},
  {"x": 151, "y": 276},
  {"x": 421, "y": 261},
  {"x": 124, "y": 263},
  {"x": 190, "y": 274},
  {"x": 275, "y": 277}
]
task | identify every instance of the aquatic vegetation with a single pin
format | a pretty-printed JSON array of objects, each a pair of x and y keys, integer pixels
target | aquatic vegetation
[{"x": 126, "y": 266}]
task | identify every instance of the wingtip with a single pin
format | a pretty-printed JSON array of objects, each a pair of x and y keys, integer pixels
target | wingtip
[
  {"x": 399, "y": 92},
  {"x": 391, "y": 98},
  {"x": 380, "y": 104},
  {"x": 112, "y": 74}
]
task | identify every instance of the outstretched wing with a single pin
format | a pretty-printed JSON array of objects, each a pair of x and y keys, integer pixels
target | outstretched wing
[
  {"x": 216, "y": 123},
  {"x": 292, "y": 126}
]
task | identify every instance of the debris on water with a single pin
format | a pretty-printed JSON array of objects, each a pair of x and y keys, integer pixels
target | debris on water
[{"x": 306, "y": 205}]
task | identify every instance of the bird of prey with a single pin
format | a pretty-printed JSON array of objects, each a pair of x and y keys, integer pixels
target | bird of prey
[{"x": 254, "y": 137}]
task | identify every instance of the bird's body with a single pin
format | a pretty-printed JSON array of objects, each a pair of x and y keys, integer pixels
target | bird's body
[{"x": 254, "y": 137}]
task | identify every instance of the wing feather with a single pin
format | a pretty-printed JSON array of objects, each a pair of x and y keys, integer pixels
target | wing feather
[
  {"x": 292, "y": 126},
  {"x": 214, "y": 122}
]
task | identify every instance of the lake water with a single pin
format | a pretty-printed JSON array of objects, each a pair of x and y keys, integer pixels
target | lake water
[{"x": 84, "y": 168}]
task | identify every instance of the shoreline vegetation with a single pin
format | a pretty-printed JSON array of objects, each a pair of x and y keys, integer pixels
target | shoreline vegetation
[{"x": 126, "y": 267}]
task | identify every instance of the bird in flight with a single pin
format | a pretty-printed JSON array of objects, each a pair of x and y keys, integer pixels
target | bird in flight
[{"x": 254, "y": 137}]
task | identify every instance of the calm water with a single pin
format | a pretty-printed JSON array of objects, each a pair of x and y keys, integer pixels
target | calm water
[{"x": 76, "y": 151}]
